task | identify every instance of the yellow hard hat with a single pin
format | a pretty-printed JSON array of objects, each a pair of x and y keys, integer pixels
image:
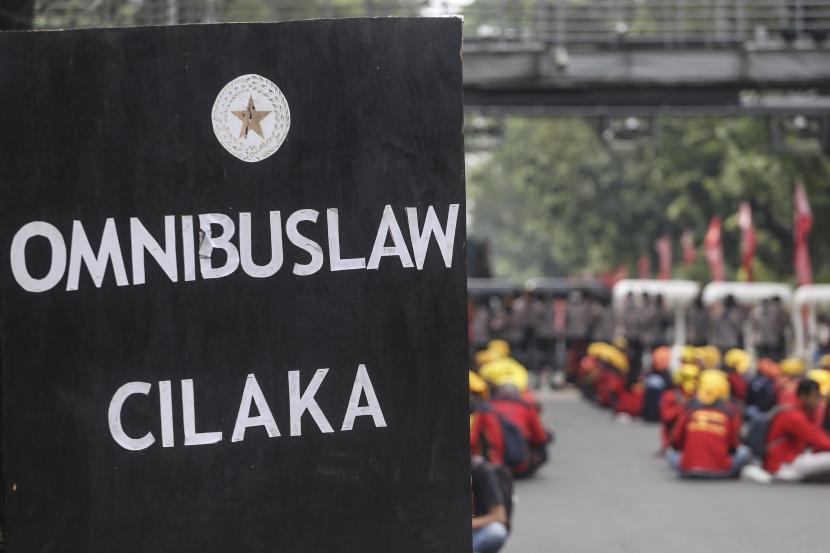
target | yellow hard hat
[
  {"x": 610, "y": 355},
  {"x": 713, "y": 387},
  {"x": 688, "y": 354},
  {"x": 496, "y": 349},
  {"x": 619, "y": 360},
  {"x": 686, "y": 377},
  {"x": 824, "y": 362},
  {"x": 505, "y": 371},
  {"x": 792, "y": 366},
  {"x": 709, "y": 357},
  {"x": 478, "y": 385},
  {"x": 822, "y": 377},
  {"x": 738, "y": 359},
  {"x": 595, "y": 348}
]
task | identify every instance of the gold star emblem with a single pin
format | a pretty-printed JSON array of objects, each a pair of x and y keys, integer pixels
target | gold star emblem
[{"x": 251, "y": 119}]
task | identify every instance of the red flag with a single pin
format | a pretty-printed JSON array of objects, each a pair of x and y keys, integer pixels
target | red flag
[
  {"x": 644, "y": 267},
  {"x": 663, "y": 246},
  {"x": 612, "y": 278},
  {"x": 687, "y": 241},
  {"x": 802, "y": 225},
  {"x": 747, "y": 238},
  {"x": 714, "y": 249}
]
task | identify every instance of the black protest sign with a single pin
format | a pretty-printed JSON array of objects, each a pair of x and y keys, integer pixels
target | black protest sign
[{"x": 233, "y": 288}]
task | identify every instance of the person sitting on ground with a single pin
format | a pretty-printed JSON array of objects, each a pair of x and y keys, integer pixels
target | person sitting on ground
[
  {"x": 796, "y": 448},
  {"x": 657, "y": 382},
  {"x": 736, "y": 363},
  {"x": 486, "y": 435},
  {"x": 822, "y": 378},
  {"x": 490, "y": 513},
  {"x": 613, "y": 369},
  {"x": 674, "y": 401},
  {"x": 761, "y": 395},
  {"x": 498, "y": 368},
  {"x": 792, "y": 372},
  {"x": 630, "y": 398},
  {"x": 706, "y": 438},
  {"x": 509, "y": 404},
  {"x": 587, "y": 376}
]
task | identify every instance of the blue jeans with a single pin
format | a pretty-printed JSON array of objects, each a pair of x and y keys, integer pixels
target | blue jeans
[
  {"x": 741, "y": 458},
  {"x": 490, "y": 538}
]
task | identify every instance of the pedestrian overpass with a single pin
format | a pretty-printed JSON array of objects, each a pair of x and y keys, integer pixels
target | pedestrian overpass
[
  {"x": 580, "y": 57},
  {"x": 638, "y": 56}
]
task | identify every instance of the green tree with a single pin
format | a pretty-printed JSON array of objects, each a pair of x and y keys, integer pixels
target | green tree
[{"x": 554, "y": 200}]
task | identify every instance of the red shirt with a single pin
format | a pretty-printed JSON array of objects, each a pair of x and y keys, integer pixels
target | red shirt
[
  {"x": 609, "y": 385},
  {"x": 791, "y": 433},
  {"x": 738, "y": 386},
  {"x": 487, "y": 437},
  {"x": 631, "y": 401},
  {"x": 672, "y": 404},
  {"x": 707, "y": 436},
  {"x": 524, "y": 417}
]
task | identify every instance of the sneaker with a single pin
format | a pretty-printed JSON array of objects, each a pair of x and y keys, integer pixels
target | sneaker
[{"x": 756, "y": 474}]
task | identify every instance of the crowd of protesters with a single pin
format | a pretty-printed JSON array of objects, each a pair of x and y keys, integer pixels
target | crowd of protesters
[
  {"x": 729, "y": 403},
  {"x": 507, "y": 440},
  {"x": 721, "y": 416}
]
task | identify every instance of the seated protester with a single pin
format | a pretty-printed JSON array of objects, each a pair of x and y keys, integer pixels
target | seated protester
[
  {"x": 486, "y": 435},
  {"x": 630, "y": 399},
  {"x": 792, "y": 371},
  {"x": 736, "y": 363},
  {"x": 674, "y": 401},
  {"x": 706, "y": 438},
  {"x": 656, "y": 383},
  {"x": 498, "y": 368},
  {"x": 587, "y": 376},
  {"x": 615, "y": 368},
  {"x": 822, "y": 378},
  {"x": 609, "y": 384},
  {"x": 795, "y": 447},
  {"x": 490, "y": 508},
  {"x": 508, "y": 403},
  {"x": 761, "y": 394}
]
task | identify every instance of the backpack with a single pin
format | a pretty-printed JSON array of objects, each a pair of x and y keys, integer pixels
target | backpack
[
  {"x": 758, "y": 432},
  {"x": 761, "y": 393},
  {"x": 516, "y": 450},
  {"x": 655, "y": 386}
]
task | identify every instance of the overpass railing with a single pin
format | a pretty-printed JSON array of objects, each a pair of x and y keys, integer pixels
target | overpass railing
[
  {"x": 668, "y": 22},
  {"x": 601, "y": 23}
]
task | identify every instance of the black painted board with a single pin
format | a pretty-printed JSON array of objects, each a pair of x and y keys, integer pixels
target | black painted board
[{"x": 121, "y": 125}]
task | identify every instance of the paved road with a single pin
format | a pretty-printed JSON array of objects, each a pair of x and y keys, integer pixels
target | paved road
[{"x": 604, "y": 491}]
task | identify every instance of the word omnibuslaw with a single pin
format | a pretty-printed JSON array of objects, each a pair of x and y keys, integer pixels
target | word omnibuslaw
[{"x": 81, "y": 253}]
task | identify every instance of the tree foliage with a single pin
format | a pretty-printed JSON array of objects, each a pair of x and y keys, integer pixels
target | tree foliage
[{"x": 553, "y": 199}]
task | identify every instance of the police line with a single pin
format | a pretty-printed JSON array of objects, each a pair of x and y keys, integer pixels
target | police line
[{"x": 81, "y": 253}]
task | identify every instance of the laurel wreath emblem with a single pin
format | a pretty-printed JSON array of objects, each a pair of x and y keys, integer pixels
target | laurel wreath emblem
[{"x": 244, "y": 86}]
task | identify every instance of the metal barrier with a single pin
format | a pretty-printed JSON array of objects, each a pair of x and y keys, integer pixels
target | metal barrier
[{"x": 670, "y": 23}]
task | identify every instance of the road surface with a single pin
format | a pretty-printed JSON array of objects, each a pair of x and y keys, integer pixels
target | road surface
[{"x": 604, "y": 491}]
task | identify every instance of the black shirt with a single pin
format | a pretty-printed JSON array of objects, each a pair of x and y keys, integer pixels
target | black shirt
[{"x": 486, "y": 490}]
